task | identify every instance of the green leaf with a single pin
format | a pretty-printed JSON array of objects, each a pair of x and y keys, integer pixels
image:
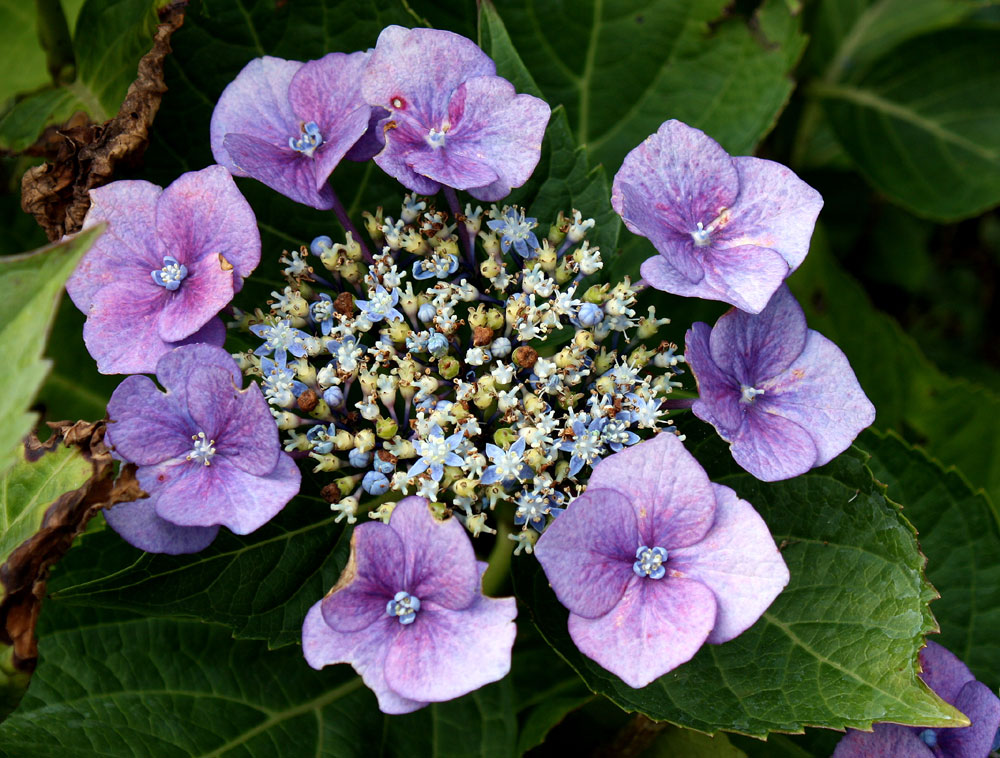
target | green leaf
[
  {"x": 24, "y": 58},
  {"x": 960, "y": 536},
  {"x": 622, "y": 67},
  {"x": 684, "y": 742},
  {"x": 135, "y": 687},
  {"x": 919, "y": 123},
  {"x": 27, "y": 490},
  {"x": 30, "y": 287},
  {"x": 837, "y": 648}
]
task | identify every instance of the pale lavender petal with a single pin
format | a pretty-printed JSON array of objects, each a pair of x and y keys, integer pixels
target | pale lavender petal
[
  {"x": 197, "y": 495},
  {"x": 128, "y": 249},
  {"x": 373, "y": 575},
  {"x": 885, "y": 741},
  {"x": 656, "y": 626},
  {"x": 440, "y": 561},
  {"x": 445, "y": 653},
  {"x": 775, "y": 209},
  {"x": 943, "y": 671},
  {"x": 201, "y": 214},
  {"x": 177, "y": 367},
  {"x": 719, "y": 394},
  {"x": 138, "y": 524},
  {"x": 205, "y": 291},
  {"x": 587, "y": 553},
  {"x": 982, "y": 708},
  {"x": 145, "y": 427},
  {"x": 365, "y": 651},
  {"x": 771, "y": 447},
  {"x": 255, "y": 103},
  {"x": 821, "y": 394},
  {"x": 753, "y": 348},
  {"x": 744, "y": 276},
  {"x": 121, "y": 329},
  {"x": 280, "y": 168},
  {"x": 668, "y": 489},
  {"x": 738, "y": 561},
  {"x": 676, "y": 247},
  {"x": 452, "y": 171}
]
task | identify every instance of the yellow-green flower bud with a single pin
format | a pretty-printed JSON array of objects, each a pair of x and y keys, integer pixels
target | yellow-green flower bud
[{"x": 386, "y": 428}]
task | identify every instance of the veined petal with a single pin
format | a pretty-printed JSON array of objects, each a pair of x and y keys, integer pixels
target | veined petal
[
  {"x": 280, "y": 168},
  {"x": 884, "y": 741},
  {"x": 771, "y": 447},
  {"x": 718, "y": 393},
  {"x": 205, "y": 291},
  {"x": 145, "y": 427},
  {"x": 140, "y": 526}
]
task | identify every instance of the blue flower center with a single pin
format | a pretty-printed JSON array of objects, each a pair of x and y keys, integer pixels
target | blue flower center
[
  {"x": 171, "y": 275},
  {"x": 749, "y": 394},
  {"x": 929, "y": 737},
  {"x": 700, "y": 236},
  {"x": 308, "y": 141},
  {"x": 649, "y": 562},
  {"x": 436, "y": 138},
  {"x": 403, "y": 606},
  {"x": 203, "y": 450}
]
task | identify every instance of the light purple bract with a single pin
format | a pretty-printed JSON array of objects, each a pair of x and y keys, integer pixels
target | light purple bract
[
  {"x": 722, "y": 569},
  {"x": 782, "y": 395},
  {"x": 458, "y": 641},
  {"x": 726, "y": 228},
  {"x": 207, "y": 453},
  {"x": 451, "y": 120}
]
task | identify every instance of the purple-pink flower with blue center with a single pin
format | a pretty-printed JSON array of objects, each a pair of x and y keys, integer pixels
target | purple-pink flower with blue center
[
  {"x": 944, "y": 673},
  {"x": 288, "y": 124},
  {"x": 783, "y": 396},
  {"x": 451, "y": 121},
  {"x": 168, "y": 262},
  {"x": 653, "y": 560},
  {"x": 726, "y": 228},
  {"x": 409, "y": 615},
  {"x": 207, "y": 453}
]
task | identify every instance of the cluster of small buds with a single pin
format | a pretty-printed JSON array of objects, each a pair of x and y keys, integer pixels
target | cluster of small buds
[{"x": 469, "y": 362}]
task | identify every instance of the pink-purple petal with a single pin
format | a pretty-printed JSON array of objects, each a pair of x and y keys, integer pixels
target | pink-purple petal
[
  {"x": 140, "y": 526},
  {"x": 744, "y": 276},
  {"x": 718, "y": 394},
  {"x": 445, "y": 653},
  {"x": 982, "y": 707},
  {"x": 738, "y": 561},
  {"x": 587, "y": 553},
  {"x": 943, "y": 671},
  {"x": 656, "y": 626},
  {"x": 121, "y": 332},
  {"x": 451, "y": 170},
  {"x": 885, "y": 741},
  {"x": 280, "y": 168},
  {"x": 205, "y": 291},
  {"x": 772, "y": 447},
  {"x": 175, "y": 369},
  {"x": 145, "y": 426}
]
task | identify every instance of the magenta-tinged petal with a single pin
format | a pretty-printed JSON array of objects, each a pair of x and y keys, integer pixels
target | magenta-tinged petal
[
  {"x": 203, "y": 214},
  {"x": 821, "y": 394},
  {"x": 373, "y": 575},
  {"x": 145, "y": 427},
  {"x": 668, "y": 489},
  {"x": 121, "y": 329},
  {"x": 255, "y": 103},
  {"x": 451, "y": 170},
  {"x": 718, "y": 393},
  {"x": 177, "y": 367},
  {"x": 445, "y": 654},
  {"x": 397, "y": 158},
  {"x": 197, "y": 495},
  {"x": 138, "y": 525},
  {"x": 205, "y": 291},
  {"x": 771, "y": 447},
  {"x": 656, "y": 626},
  {"x": 943, "y": 671},
  {"x": 885, "y": 741},
  {"x": 738, "y": 561},
  {"x": 676, "y": 247},
  {"x": 744, "y": 276},
  {"x": 365, "y": 651},
  {"x": 587, "y": 553},
  {"x": 373, "y": 140},
  {"x": 440, "y": 562},
  {"x": 753, "y": 348},
  {"x": 280, "y": 168},
  {"x": 775, "y": 209},
  {"x": 127, "y": 251},
  {"x": 982, "y": 707}
]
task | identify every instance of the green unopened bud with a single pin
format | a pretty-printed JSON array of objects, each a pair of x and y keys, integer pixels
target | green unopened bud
[
  {"x": 448, "y": 246},
  {"x": 346, "y": 484},
  {"x": 325, "y": 462},
  {"x": 352, "y": 249},
  {"x": 494, "y": 319},
  {"x": 535, "y": 458},
  {"x": 603, "y": 361},
  {"x": 490, "y": 243},
  {"x": 449, "y": 367},
  {"x": 373, "y": 225},
  {"x": 287, "y": 421},
  {"x": 563, "y": 271},
  {"x": 605, "y": 385},
  {"x": 440, "y": 511},
  {"x": 534, "y": 404},
  {"x": 484, "y": 399},
  {"x": 547, "y": 258},
  {"x": 640, "y": 356},
  {"x": 562, "y": 468},
  {"x": 352, "y": 272},
  {"x": 557, "y": 232},
  {"x": 464, "y": 487},
  {"x": 489, "y": 268},
  {"x": 487, "y": 383},
  {"x": 584, "y": 340},
  {"x": 321, "y": 410},
  {"x": 386, "y": 428},
  {"x": 477, "y": 316},
  {"x": 398, "y": 331},
  {"x": 596, "y": 294},
  {"x": 505, "y": 437},
  {"x": 297, "y": 306},
  {"x": 305, "y": 371}
]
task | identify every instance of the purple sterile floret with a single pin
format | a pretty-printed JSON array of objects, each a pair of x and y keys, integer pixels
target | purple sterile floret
[
  {"x": 451, "y": 120},
  {"x": 288, "y": 124},
  {"x": 726, "y": 228},
  {"x": 944, "y": 673},
  {"x": 653, "y": 560},
  {"x": 409, "y": 615},
  {"x": 168, "y": 262},
  {"x": 782, "y": 395},
  {"x": 207, "y": 453}
]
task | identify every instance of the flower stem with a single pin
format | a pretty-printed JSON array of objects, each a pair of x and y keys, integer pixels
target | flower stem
[
  {"x": 467, "y": 242},
  {"x": 499, "y": 561},
  {"x": 345, "y": 221},
  {"x": 678, "y": 403}
]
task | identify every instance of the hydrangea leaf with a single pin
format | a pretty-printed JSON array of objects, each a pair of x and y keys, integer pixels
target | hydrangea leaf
[
  {"x": 130, "y": 686},
  {"x": 30, "y": 287},
  {"x": 675, "y": 741},
  {"x": 619, "y": 66},
  {"x": 884, "y": 119},
  {"x": 22, "y": 48},
  {"x": 837, "y": 648},
  {"x": 959, "y": 534}
]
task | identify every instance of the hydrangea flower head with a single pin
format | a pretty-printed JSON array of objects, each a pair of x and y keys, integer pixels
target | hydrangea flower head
[
  {"x": 782, "y": 395},
  {"x": 653, "y": 560},
  {"x": 726, "y": 228},
  {"x": 169, "y": 261},
  {"x": 288, "y": 124},
  {"x": 207, "y": 453},
  {"x": 452, "y": 121},
  {"x": 944, "y": 673},
  {"x": 409, "y": 615}
]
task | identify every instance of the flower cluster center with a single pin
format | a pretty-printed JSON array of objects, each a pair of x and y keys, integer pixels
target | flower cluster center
[
  {"x": 650, "y": 562},
  {"x": 308, "y": 141}
]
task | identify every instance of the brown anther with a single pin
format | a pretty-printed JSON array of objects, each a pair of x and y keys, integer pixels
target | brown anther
[
  {"x": 482, "y": 335},
  {"x": 385, "y": 455},
  {"x": 525, "y": 357},
  {"x": 330, "y": 493},
  {"x": 307, "y": 400},
  {"x": 344, "y": 303}
]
